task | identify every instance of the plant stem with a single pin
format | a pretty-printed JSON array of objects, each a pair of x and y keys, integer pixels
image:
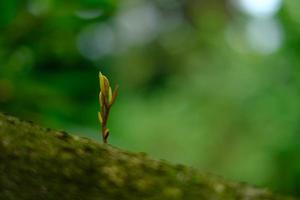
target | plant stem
[{"x": 105, "y": 131}]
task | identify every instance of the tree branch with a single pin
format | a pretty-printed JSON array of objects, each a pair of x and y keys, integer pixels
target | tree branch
[{"x": 41, "y": 163}]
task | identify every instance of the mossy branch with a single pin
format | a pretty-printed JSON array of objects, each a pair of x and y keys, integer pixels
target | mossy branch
[{"x": 41, "y": 163}]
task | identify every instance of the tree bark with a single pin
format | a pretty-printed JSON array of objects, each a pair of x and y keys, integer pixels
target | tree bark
[{"x": 41, "y": 163}]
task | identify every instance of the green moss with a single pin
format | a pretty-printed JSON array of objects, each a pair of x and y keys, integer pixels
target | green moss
[{"x": 40, "y": 163}]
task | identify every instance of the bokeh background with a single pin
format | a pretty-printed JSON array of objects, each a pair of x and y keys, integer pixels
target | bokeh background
[{"x": 211, "y": 84}]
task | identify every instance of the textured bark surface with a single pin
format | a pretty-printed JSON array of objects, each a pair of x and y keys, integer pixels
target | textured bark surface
[{"x": 41, "y": 163}]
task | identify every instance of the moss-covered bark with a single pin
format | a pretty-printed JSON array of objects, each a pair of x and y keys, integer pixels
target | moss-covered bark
[{"x": 40, "y": 163}]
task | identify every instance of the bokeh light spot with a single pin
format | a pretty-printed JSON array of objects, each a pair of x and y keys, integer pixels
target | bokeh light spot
[
  {"x": 95, "y": 41},
  {"x": 260, "y": 8},
  {"x": 138, "y": 25},
  {"x": 264, "y": 36}
]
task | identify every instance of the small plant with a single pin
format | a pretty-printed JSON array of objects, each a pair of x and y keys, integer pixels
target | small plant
[{"x": 106, "y": 100}]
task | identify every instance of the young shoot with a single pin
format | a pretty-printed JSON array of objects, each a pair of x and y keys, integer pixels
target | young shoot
[{"x": 107, "y": 98}]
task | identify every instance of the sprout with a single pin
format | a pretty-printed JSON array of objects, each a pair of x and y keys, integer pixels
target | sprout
[{"x": 106, "y": 100}]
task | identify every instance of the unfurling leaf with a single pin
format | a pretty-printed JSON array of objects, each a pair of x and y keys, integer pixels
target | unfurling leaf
[
  {"x": 104, "y": 102},
  {"x": 100, "y": 96},
  {"x": 114, "y": 95},
  {"x": 109, "y": 95},
  {"x": 101, "y": 80},
  {"x": 105, "y": 86},
  {"x": 100, "y": 117}
]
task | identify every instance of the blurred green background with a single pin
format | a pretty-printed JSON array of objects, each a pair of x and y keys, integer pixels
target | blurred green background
[{"x": 212, "y": 84}]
